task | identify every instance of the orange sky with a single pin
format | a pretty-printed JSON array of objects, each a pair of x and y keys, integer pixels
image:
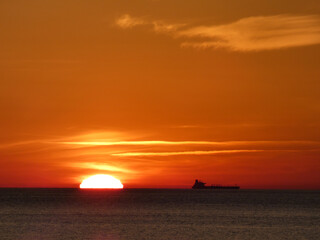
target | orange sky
[{"x": 158, "y": 93}]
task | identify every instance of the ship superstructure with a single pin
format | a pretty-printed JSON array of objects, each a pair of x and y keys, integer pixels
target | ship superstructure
[{"x": 201, "y": 185}]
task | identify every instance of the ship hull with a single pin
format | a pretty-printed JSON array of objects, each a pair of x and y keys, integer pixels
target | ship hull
[{"x": 201, "y": 185}]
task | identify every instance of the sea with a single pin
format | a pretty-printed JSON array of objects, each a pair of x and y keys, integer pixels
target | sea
[{"x": 168, "y": 214}]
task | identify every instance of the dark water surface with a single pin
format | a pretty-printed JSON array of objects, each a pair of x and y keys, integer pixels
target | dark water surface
[{"x": 158, "y": 214}]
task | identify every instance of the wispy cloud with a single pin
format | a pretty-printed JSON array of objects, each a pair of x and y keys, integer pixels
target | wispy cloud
[
  {"x": 172, "y": 148},
  {"x": 132, "y": 154},
  {"x": 247, "y": 34},
  {"x": 258, "y": 33},
  {"x": 108, "y": 143},
  {"x": 214, "y": 143},
  {"x": 127, "y": 21},
  {"x": 163, "y": 27},
  {"x": 98, "y": 166}
]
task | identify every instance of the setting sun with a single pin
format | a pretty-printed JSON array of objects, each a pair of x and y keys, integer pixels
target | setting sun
[{"x": 101, "y": 181}]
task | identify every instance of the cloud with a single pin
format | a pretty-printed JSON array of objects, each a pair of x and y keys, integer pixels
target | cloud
[
  {"x": 126, "y": 21},
  {"x": 181, "y": 143},
  {"x": 98, "y": 166},
  {"x": 133, "y": 154},
  {"x": 175, "y": 148},
  {"x": 162, "y": 27},
  {"x": 247, "y": 34},
  {"x": 258, "y": 33}
]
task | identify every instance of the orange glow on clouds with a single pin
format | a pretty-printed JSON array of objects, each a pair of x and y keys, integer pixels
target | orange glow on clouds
[{"x": 101, "y": 181}]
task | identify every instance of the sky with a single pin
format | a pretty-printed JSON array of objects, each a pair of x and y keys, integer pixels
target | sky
[{"x": 158, "y": 93}]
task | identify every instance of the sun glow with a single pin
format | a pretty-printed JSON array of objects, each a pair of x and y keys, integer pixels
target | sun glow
[{"x": 101, "y": 181}]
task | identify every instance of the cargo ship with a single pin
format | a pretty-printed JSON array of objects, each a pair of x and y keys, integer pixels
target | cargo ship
[{"x": 201, "y": 185}]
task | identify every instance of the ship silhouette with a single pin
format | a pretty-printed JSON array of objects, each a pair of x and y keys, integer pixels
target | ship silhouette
[{"x": 201, "y": 185}]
